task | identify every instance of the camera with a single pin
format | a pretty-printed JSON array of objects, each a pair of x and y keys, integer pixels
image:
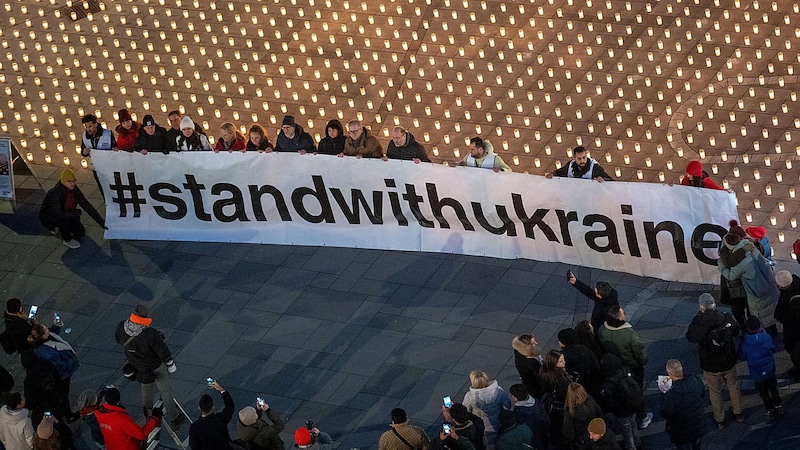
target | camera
[{"x": 310, "y": 424}]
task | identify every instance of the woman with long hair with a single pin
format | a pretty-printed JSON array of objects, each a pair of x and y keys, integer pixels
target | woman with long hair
[
  {"x": 555, "y": 381},
  {"x": 579, "y": 409},
  {"x": 486, "y": 399},
  {"x": 230, "y": 139}
]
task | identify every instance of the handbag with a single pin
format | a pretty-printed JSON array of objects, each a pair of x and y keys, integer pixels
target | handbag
[{"x": 735, "y": 289}]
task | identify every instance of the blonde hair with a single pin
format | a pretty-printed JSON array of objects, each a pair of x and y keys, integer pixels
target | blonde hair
[
  {"x": 231, "y": 128},
  {"x": 576, "y": 396},
  {"x": 478, "y": 379}
]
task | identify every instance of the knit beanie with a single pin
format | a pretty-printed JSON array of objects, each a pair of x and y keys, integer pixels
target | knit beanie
[
  {"x": 288, "y": 120},
  {"x": 148, "y": 120},
  {"x": 736, "y": 229},
  {"x": 67, "y": 175},
  {"x": 753, "y": 324},
  {"x": 783, "y": 278},
  {"x": 706, "y": 300},
  {"x": 248, "y": 415},
  {"x": 302, "y": 436},
  {"x": 124, "y": 115},
  {"x": 567, "y": 336},
  {"x": 597, "y": 426},
  {"x": 187, "y": 122}
]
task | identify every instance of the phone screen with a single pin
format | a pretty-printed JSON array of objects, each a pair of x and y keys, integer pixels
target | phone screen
[
  {"x": 58, "y": 317},
  {"x": 446, "y": 428},
  {"x": 447, "y": 402},
  {"x": 210, "y": 381},
  {"x": 260, "y": 401},
  {"x": 32, "y": 314}
]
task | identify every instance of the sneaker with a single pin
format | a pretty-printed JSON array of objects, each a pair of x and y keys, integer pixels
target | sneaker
[
  {"x": 54, "y": 231},
  {"x": 177, "y": 422},
  {"x": 72, "y": 244},
  {"x": 739, "y": 417},
  {"x": 721, "y": 425},
  {"x": 646, "y": 421},
  {"x": 771, "y": 417},
  {"x": 778, "y": 411}
]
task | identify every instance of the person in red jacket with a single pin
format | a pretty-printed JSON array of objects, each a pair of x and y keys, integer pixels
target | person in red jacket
[
  {"x": 230, "y": 139},
  {"x": 696, "y": 176},
  {"x": 120, "y": 432},
  {"x": 127, "y": 131}
]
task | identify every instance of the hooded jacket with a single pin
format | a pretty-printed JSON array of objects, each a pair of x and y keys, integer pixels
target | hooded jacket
[
  {"x": 16, "y": 429},
  {"x": 157, "y": 142},
  {"x": 762, "y": 292},
  {"x": 612, "y": 393},
  {"x": 489, "y": 160},
  {"x": 487, "y": 403},
  {"x": 367, "y": 145},
  {"x": 682, "y": 408},
  {"x": 515, "y": 437},
  {"x": 260, "y": 433},
  {"x": 60, "y": 354},
  {"x": 622, "y": 340},
  {"x": 757, "y": 350},
  {"x": 714, "y": 359},
  {"x": 265, "y": 144},
  {"x": 527, "y": 366},
  {"x": 577, "y": 421},
  {"x": 120, "y": 432},
  {"x": 127, "y": 138},
  {"x": 193, "y": 143},
  {"x": 238, "y": 144},
  {"x": 531, "y": 412},
  {"x": 700, "y": 176},
  {"x": 300, "y": 141},
  {"x": 147, "y": 350},
  {"x": 333, "y": 146},
  {"x": 410, "y": 150}
]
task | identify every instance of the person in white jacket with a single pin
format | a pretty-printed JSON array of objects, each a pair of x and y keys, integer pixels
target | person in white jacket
[
  {"x": 486, "y": 399},
  {"x": 16, "y": 429}
]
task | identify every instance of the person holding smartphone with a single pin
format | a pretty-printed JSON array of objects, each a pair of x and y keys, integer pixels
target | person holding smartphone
[
  {"x": 18, "y": 326},
  {"x": 210, "y": 431},
  {"x": 253, "y": 428},
  {"x": 448, "y": 438}
]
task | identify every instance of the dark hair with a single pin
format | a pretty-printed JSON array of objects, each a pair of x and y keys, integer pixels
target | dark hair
[
  {"x": 613, "y": 311},
  {"x": 12, "y": 399},
  {"x": 89, "y": 118},
  {"x": 519, "y": 391},
  {"x": 549, "y": 373},
  {"x": 256, "y": 128},
  {"x": 478, "y": 142},
  {"x": 13, "y": 305},
  {"x": 206, "y": 404},
  {"x": 459, "y": 413},
  {"x": 111, "y": 396},
  {"x": 399, "y": 416},
  {"x": 579, "y": 149},
  {"x": 583, "y": 328},
  {"x": 174, "y": 112},
  {"x": 604, "y": 289},
  {"x": 28, "y": 358},
  {"x": 37, "y": 333}
]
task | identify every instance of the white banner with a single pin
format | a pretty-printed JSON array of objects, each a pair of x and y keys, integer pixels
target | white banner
[{"x": 667, "y": 232}]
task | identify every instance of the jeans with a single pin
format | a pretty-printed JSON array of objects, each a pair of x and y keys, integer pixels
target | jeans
[
  {"x": 630, "y": 432},
  {"x": 768, "y": 390},
  {"x": 162, "y": 383},
  {"x": 715, "y": 382},
  {"x": 637, "y": 373}
]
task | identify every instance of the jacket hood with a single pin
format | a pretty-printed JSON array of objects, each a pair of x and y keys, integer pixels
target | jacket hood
[
  {"x": 335, "y": 124},
  {"x": 527, "y": 403},
  {"x": 133, "y": 329},
  {"x": 743, "y": 243},
  {"x": 614, "y": 328},
  {"x": 610, "y": 364},
  {"x": 487, "y": 392},
  {"x": 409, "y": 140},
  {"x": 695, "y": 169},
  {"x": 526, "y": 350},
  {"x": 13, "y": 416}
]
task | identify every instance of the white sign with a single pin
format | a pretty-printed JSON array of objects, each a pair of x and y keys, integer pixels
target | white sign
[
  {"x": 667, "y": 232},
  {"x": 6, "y": 170}
]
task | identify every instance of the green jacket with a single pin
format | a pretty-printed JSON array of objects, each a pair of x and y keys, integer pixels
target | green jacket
[
  {"x": 261, "y": 434},
  {"x": 623, "y": 342},
  {"x": 514, "y": 438}
]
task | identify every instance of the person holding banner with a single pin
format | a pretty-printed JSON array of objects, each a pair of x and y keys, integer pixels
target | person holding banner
[
  {"x": 60, "y": 213},
  {"x": 96, "y": 138},
  {"x": 581, "y": 166},
  {"x": 190, "y": 140},
  {"x": 152, "y": 137},
  {"x": 481, "y": 154},
  {"x": 697, "y": 177}
]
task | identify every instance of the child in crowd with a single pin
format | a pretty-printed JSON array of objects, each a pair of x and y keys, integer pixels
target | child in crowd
[{"x": 757, "y": 348}]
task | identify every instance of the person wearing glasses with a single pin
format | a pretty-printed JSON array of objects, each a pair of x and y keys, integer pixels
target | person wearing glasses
[
  {"x": 360, "y": 143},
  {"x": 292, "y": 138}
]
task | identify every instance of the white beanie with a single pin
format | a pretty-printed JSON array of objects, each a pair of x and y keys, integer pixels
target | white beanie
[{"x": 187, "y": 122}]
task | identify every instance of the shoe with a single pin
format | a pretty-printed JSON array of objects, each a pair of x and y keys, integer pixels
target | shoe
[
  {"x": 72, "y": 417},
  {"x": 721, "y": 425},
  {"x": 778, "y": 411},
  {"x": 72, "y": 244},
  {"x": 177, "y": 422},
  {"x": 739, "y": 417},
  {"x": 646, "y": 421},
  {"x": 771, "y": 416},
  {"x": 54, "y": 231}
]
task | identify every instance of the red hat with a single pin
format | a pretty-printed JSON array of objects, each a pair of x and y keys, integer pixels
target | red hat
[
  {"x": 124, "y": 115},
  {"x": 796, "y": 248},
  {"x": 302, "y": 436},
  {"x": 756, "y": 232},
  {"x": 695, "y": 169}
]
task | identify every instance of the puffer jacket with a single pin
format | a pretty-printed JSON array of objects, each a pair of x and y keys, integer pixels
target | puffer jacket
[
  {"x": 412, "y": 149},
  {"x": 757, "y": 350},
  {"x": 487, "y": 403},
  {"x": 682, "y": 407}
]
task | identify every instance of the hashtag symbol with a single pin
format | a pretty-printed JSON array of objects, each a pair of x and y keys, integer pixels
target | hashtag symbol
[{"x": 132, "y": 198}]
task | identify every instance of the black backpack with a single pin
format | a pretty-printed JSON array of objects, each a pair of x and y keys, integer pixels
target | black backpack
[
  {"x": 794, "y": 306},
  {"x": 721, "y": 336},
  {"x": 629, "y": 396}
]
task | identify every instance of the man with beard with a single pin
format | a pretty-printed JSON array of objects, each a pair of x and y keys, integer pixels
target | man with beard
[{"x": 581, "y": 166}]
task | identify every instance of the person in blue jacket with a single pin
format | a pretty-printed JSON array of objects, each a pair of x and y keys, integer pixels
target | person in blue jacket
[{"x": 757, "y": 348}]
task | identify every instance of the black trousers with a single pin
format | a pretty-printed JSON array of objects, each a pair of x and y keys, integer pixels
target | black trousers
[
  {"x": 768, "y": 390},
  {"x": 71, "y": 228}
]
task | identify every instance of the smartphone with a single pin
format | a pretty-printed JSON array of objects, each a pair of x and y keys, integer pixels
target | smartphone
[
  {"x": 57, "y": 317},
  {"x": 260, "y": 401},
  {"x": 32, "y": 314},
  {"x": 48, "y": 414},
  {"x": 210, "y": 381},
  {"x": 446, "y": 428},
  {"x": 569, "y": 275},
  {"x": 447, "y": 402}
]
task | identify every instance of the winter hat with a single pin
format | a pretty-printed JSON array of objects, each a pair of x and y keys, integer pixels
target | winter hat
[
  {"x": 756, "y": 233},
  {"x": 13, "y": 305},
  {"x": 753, "y": 324},
  {"x": 706, "y": 301},
  {"x": 142, "y": 310},
  {"x": 248, "y": 415},
  {"x": 783, "y": 278},
  {"x": 597, "y": 426},
  {"x": 288, "y": 120},
  {"x": 302, "y": 436},
  {"x": 67, "y": 175},
  {"x": 695, "y": 169},
  {"x": 124, "y": 115},
  {"x": 507, "y": 420},
  {"x": 187, "y": 122},
  {"x": 567, "y": 336},
  {"x": 736, "y": 229},
  {"x": 148, "y": 120},
  {"x": 45, "y": 429},
  {"x": 796, "y": 248}
]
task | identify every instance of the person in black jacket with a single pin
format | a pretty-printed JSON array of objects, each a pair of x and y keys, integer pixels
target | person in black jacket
[
  {"x": 603, "y": 295},
  {"x": 580, "y": 362},
  {"x": 292, "y": 138},
  {"x": 527, "y": 360},
  {"x": 404, "y": 146},
  {"x": 210, "y": 431},
  {"x": 466, "y": 424},
  {"x": 146, "y": 350},
  {"x": 59, "y": 211},
  {"x": 682, "y": 407},
  {"x": 258, "y": 140},
  {"x": 787, "y": 312},
  {"x": 616, "y": 398},
  {"x": 152, "y": 137},
  {"x": 333, "y": 142},
  {"x": 18, "y": 326},
  {"x": 718, "y": 356}
]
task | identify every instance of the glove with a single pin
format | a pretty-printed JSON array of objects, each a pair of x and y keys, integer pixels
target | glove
[
  {"x": 158, "y": 413},
  {"x": 171, "y": 368}
]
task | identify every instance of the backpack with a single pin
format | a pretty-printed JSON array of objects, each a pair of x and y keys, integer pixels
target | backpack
[
  {"x": 630, "y": 395},
  {"x": 721, "y": 336},
  {"x": 793, "y": 306}
]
